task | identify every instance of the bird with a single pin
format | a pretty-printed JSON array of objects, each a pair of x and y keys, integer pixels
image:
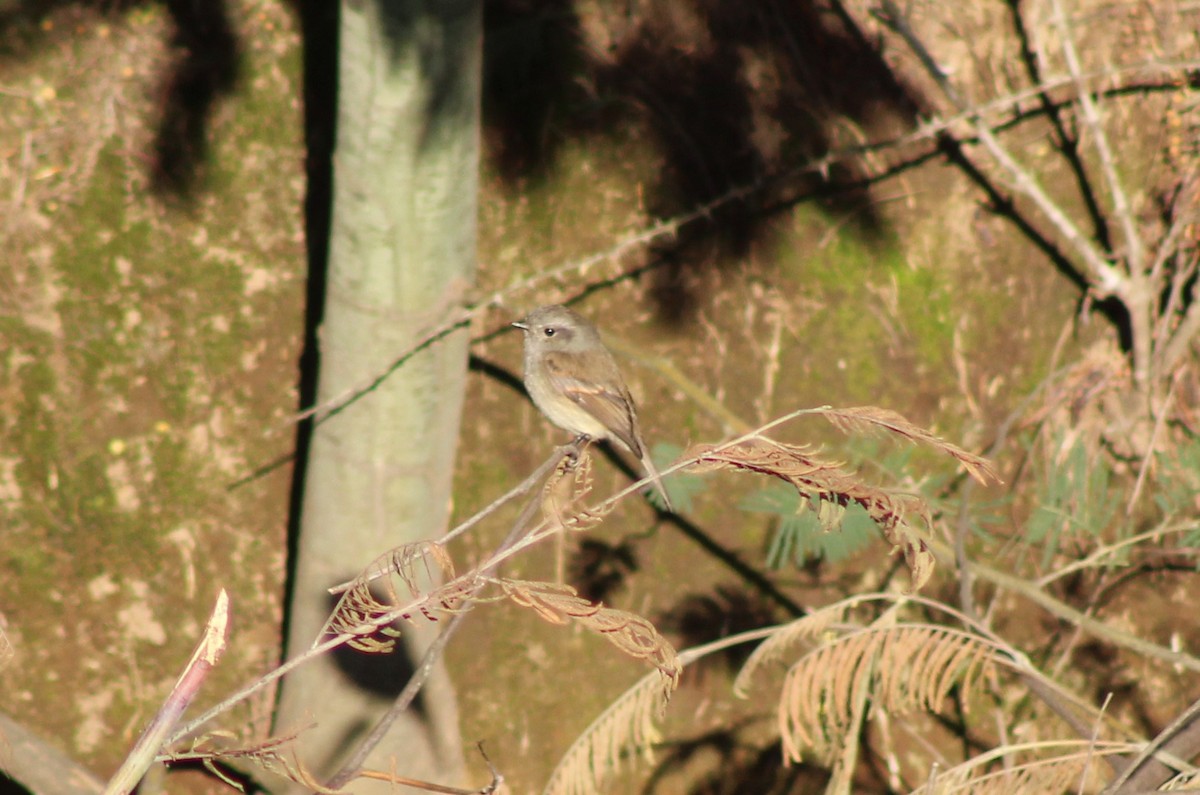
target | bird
[{"x": 574, "y": 380}]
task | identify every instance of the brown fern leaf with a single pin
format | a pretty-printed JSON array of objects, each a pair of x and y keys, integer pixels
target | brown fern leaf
[
  {"x": 871, "y": 417},
  {"x": 622, "y": 731},
  {"x": 1023, "y": 772},
  {"x": 373, "y": 595},
  {"x": 632, "y": 634},
  {"x": 903, "y": 668},
  {"x": 565, "y": 489},
  {"x": 828, "y": 482},
  {"x": 788, "y": 635}
]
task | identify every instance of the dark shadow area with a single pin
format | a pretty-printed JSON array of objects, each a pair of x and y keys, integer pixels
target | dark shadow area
[
  {"x": 598, "y": 569},
  {"x": 319, "y": 28},
  {"x": 743, "y": 766},
  {"x": 204, "y": 68},
  {"x": 384, "y": 674},
  {"x": 532, "y": 53},
  {"x": 10, "y": 787},
  {"x": 732, "y": 93},
  {"x": 700, "y": 618}
]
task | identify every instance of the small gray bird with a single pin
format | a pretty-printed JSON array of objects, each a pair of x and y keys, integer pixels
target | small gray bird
[{"x": 575, "y": 382}]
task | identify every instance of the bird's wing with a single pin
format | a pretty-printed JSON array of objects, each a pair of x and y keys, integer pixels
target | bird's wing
[{"x": 603, "y": 394}]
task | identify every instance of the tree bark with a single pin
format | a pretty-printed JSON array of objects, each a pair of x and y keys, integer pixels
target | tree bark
[{"x": 379, "y": 472}]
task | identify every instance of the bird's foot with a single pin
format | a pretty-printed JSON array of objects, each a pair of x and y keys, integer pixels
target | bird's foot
[{"x": 576, "y": 448}]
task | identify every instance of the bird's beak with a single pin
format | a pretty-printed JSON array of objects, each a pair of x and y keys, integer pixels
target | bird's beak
[{"x": 521, "y": 326}]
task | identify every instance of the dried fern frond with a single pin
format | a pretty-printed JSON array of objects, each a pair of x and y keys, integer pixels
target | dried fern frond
[
  {"x": 373, "y": 596},
  {"x": 566, "y": 488},
  {"x": 902, "y": 668},
  {"x": 828, "y": 483},
  {"x": 275, "y": 755},
  {"x": 623, "y": 730},
  {"x": 632, "y": 634},
  {"x": 781, "y": 641},
  {"x": 872, "y": 417},
  {"x": 1060, "y": 773}
]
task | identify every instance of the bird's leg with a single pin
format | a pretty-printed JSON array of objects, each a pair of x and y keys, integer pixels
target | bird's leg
[{"x": 577, "y": 446}]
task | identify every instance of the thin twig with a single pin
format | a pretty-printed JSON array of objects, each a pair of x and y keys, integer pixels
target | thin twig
[
  {"x": 966, "y": 582},
  {"x": 1144, "y": 469},
  {"x": 1180, "y": 278},
  {"x": 333, "y": 642},
  {"x": 1087, "y": 765},
  {"x": 1091, "y": 117},
  {"x": 366, "y": 627},
  {"x": 1187, "y": 330},
  {"x": 1097, "y": 557},
  {"x": 250, "y": 689},
  {"x": 1168, "y": 246}
]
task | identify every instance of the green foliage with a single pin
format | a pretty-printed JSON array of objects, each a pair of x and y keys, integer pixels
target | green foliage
[
  {"x": 810, "y": 529},
  {"x": 1179, "y": 479},
  {"x": 681, "y": 486},
  {"x": 1076, "y": 496},
  {"x": 897, "y": 463},
  {"x": 1178, "y": 486}
]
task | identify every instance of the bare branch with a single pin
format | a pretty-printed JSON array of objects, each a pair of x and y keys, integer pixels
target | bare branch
[
  {"x": 1107, "y": 279},
  {"x": 1181, "y": 740},
  {"x": 1180, "y": 339},
  {"x": 1091, "y": 117},
  {"x": 1055, "y": 607}
]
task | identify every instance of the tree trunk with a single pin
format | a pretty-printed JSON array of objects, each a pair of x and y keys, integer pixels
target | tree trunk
[{"x": 402, "y": 253}]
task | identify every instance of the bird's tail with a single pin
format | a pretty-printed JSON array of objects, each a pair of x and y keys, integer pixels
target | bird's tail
[{"x": 652, "y": 473}]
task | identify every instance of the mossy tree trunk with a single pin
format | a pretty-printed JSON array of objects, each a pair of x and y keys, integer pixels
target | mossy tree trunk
[{"x": 402, "y": 253}]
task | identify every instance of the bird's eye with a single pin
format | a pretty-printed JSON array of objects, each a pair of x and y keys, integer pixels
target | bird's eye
[{"x": 549, "y": 331}]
